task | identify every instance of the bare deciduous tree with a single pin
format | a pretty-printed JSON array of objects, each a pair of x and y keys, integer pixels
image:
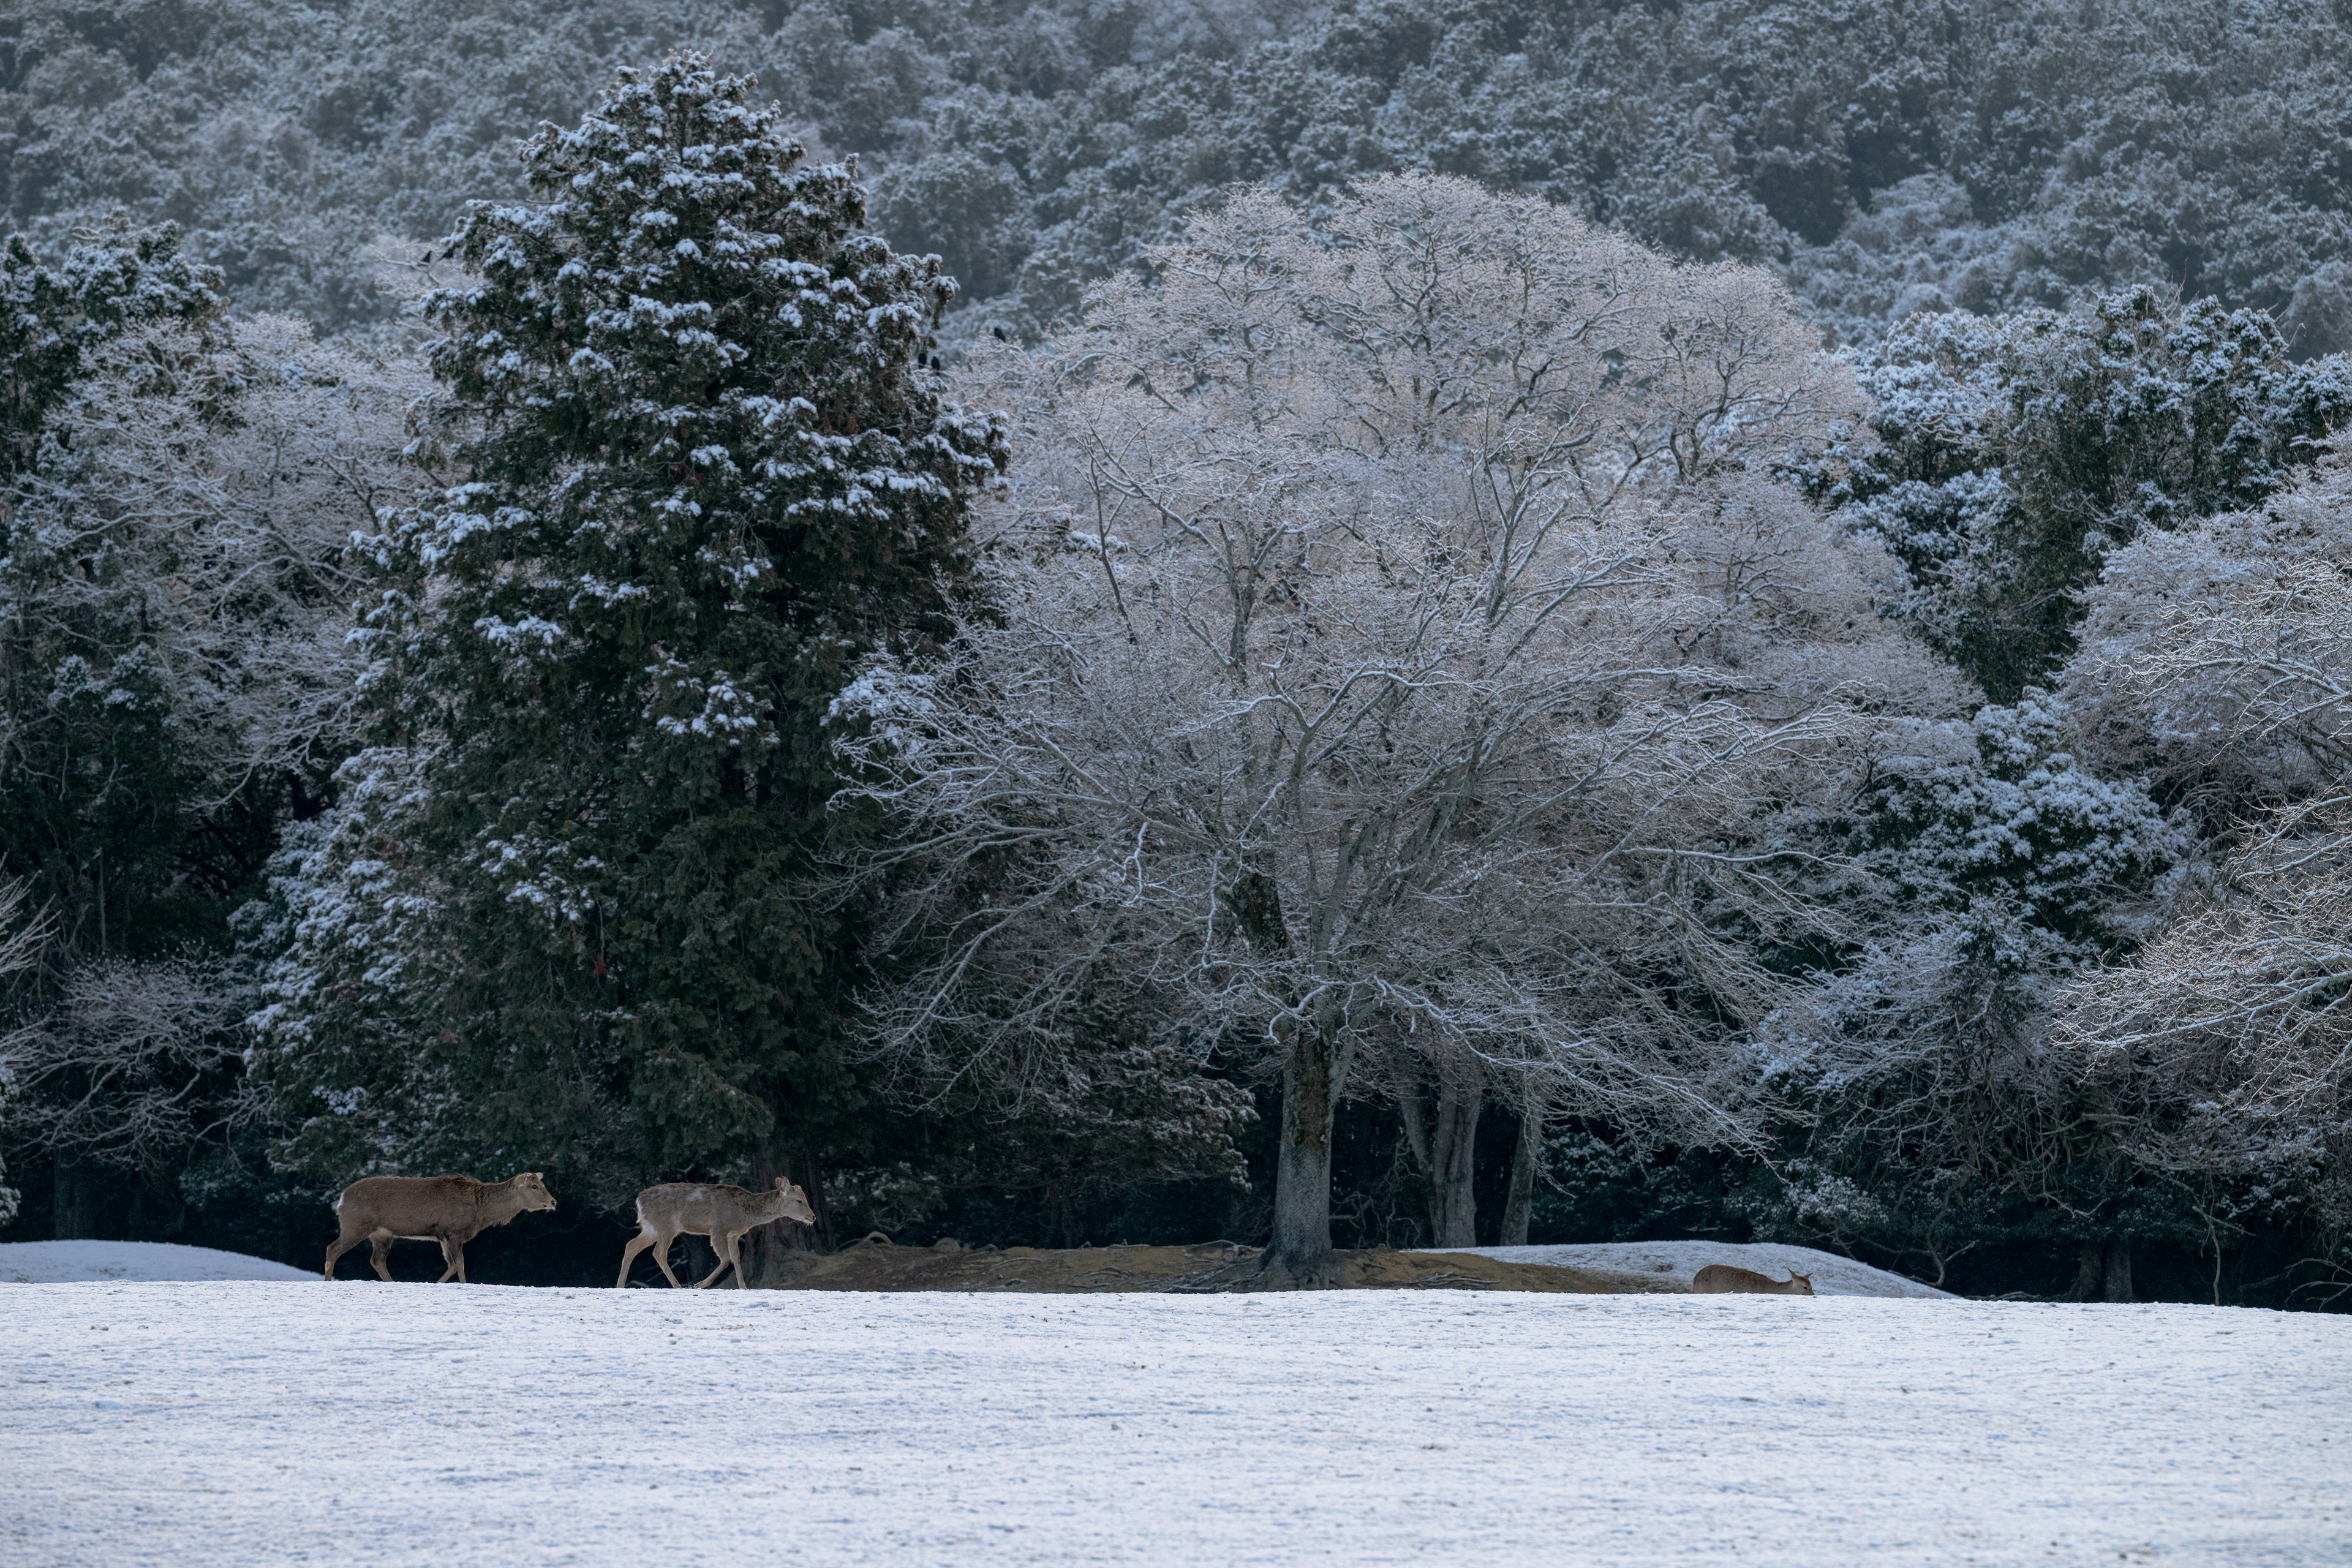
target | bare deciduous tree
[
  {"x": 200, "y": 503},
  {"x": 25, "y": 934},
  {"x": 1396, "y": 661},
  {"x": 177, "y": 568},
  {"x": 2225, "y": 1048},
  {"x": 2222, "y": 655},
  {"x": 2226, "y": 1045},
  {"x": 136, "y": 1061}
]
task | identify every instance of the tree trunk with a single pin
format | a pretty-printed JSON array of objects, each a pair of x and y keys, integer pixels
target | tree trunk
[
  {"x": 812, "y": 1186},
  {"x": 2088, "y": 1270},
  {"x": 764, "y": 1247},
  {"x": 1313, "y": 1073},
  {"x": 74, "y": 1202},
  {"x": 2105, "y": 1273},
  {"x": 1453, "y": 1202},
  {"x": 1520, "y": 1204},
  {"x": 2118, "y": 1279}
]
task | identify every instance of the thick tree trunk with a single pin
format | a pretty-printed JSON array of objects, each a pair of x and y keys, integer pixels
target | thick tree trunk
[
  {"x": 1453, "y": 1202},
  {"x": 2118, "y": 1279},
  {"x": 1520, "y": 1204},
  {"x": 2088, "y": 1270},
  {"x": 1299, "y": 1252},
  {"x": 2104, "y": 1274},
  {"x": 766, "y": 1248}
]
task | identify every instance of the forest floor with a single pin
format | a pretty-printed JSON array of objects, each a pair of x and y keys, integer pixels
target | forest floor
[
  {"x": 874, "y": 1264},
  {"x": 257, "y": 1423}
]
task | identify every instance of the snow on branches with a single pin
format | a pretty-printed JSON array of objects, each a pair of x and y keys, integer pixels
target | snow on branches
[
  {"x": 2224, "y": 655},
  {"x": 2015, "y": 452}
]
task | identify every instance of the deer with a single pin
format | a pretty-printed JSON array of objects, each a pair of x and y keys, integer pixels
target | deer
[
  {"x": 451, "y": 1210},
  {"x": 705, "y": 1208},
  {"x": 1717, "y": 1278}
]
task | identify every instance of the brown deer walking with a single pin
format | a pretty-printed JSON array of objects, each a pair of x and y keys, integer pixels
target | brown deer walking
[
  {"x": 705, "y": 1208},
  {"x": 1717, "y": 1278},
  {"x": 451, "y": 1210}
]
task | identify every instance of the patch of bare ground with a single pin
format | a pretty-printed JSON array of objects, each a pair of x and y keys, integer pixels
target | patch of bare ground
[{"x": 874, "y": 1264}]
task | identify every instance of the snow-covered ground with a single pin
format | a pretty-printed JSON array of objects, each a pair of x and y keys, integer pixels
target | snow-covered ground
[
  {"x": 260, "y": 1424},
  {"x": 71, "y": 1262},
  {"x": 1832, "y": 1275}
]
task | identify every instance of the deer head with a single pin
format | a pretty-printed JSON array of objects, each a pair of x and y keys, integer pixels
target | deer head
[
  {"x": 1804, "y": 1279},
  {"x": 788, "y": 1202},
  {"x": 530, "y": 1189}
]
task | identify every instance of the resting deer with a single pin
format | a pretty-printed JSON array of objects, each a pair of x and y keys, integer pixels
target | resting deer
[
  {"x": 1718, "y": 1278},
  {"x": 705, "y": 1208},
  {"x": 451, "y": 1210}
]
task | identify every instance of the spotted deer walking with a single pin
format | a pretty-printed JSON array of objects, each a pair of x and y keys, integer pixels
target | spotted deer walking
[
  {"x": 1719, "y": 1278},
  {"x": 451, "y": 1210},
  {"x": 705, "y": 1208}
]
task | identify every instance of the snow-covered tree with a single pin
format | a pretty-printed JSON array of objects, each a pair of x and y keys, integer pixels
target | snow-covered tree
[
  {"x": 2223, "y": 656},
  {"x": 1935, "y": 1116},
  {"x": 113, "y": 278},
  {"x": 1398, "y": 664},
  {"x": 711, "y": 470},
  {"x": 23, "y": 936},
  {"x": 2214, "y": 656},
  {"x": 174, "y": 673},
  {"x": 135, "y": 1064},
  {"x": 2014, "y": 452},
  {"x": 179, "y": 564}
]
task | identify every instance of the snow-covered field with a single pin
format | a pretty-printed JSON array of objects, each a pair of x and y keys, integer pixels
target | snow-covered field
[
  {"x": 266, "y": 1423},
  {"x": 69, "y": 1262}
]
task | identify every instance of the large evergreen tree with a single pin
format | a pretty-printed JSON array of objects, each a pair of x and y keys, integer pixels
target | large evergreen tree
[{"x": 705, "y": 468}]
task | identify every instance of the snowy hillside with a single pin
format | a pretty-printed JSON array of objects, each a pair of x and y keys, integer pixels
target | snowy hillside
[
  {"x": 72, "y": 1262},
  {"x": 1832, "y": 1275},
  {"x": 254, "y": 1424}
]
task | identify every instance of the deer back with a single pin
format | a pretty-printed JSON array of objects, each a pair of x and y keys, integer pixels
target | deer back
[
  {"x": 713, "y": 1208},
  {"x": 412, "y": 1205},
  {"x": 1718, "y": 1279}
]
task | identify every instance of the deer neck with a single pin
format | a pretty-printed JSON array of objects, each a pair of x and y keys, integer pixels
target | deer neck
[{"x": 502, "y": 1201}]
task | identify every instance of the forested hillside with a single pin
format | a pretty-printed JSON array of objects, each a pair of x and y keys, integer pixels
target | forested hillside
[
  {"x": 1884, "y": 157},
  {"x": 1321, "y": 625}
]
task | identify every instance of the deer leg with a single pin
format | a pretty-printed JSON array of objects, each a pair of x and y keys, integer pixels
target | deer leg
[
  {"x": 731, "y": 1256},
  {"x": 735, "y": 1256},
  {"x": 340, "y": 1246},
  {"x": 637, "y": 1243},
  {"x": 661, "y": 1256},
  {"x": 453, "y": 1252},
  {"x": 380, "y": 1255},
  {"x": 718, "y": 1245}
]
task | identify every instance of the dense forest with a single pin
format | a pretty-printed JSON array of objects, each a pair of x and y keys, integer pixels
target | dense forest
[
  {"x": 1884, "y": 157},
  {"x": 1147, "y": 622}
]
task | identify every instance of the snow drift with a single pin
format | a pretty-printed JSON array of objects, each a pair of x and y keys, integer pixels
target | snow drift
[
  {"x": 1832, "y": 1275},
  {"x": 74, "y": 1262}
]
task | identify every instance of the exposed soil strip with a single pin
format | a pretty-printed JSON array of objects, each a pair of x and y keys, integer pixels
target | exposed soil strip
[{"x": 874, "y": 1264}]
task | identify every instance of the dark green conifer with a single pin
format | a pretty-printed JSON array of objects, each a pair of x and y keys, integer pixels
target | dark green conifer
[{"x": 709, "y": 469}]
